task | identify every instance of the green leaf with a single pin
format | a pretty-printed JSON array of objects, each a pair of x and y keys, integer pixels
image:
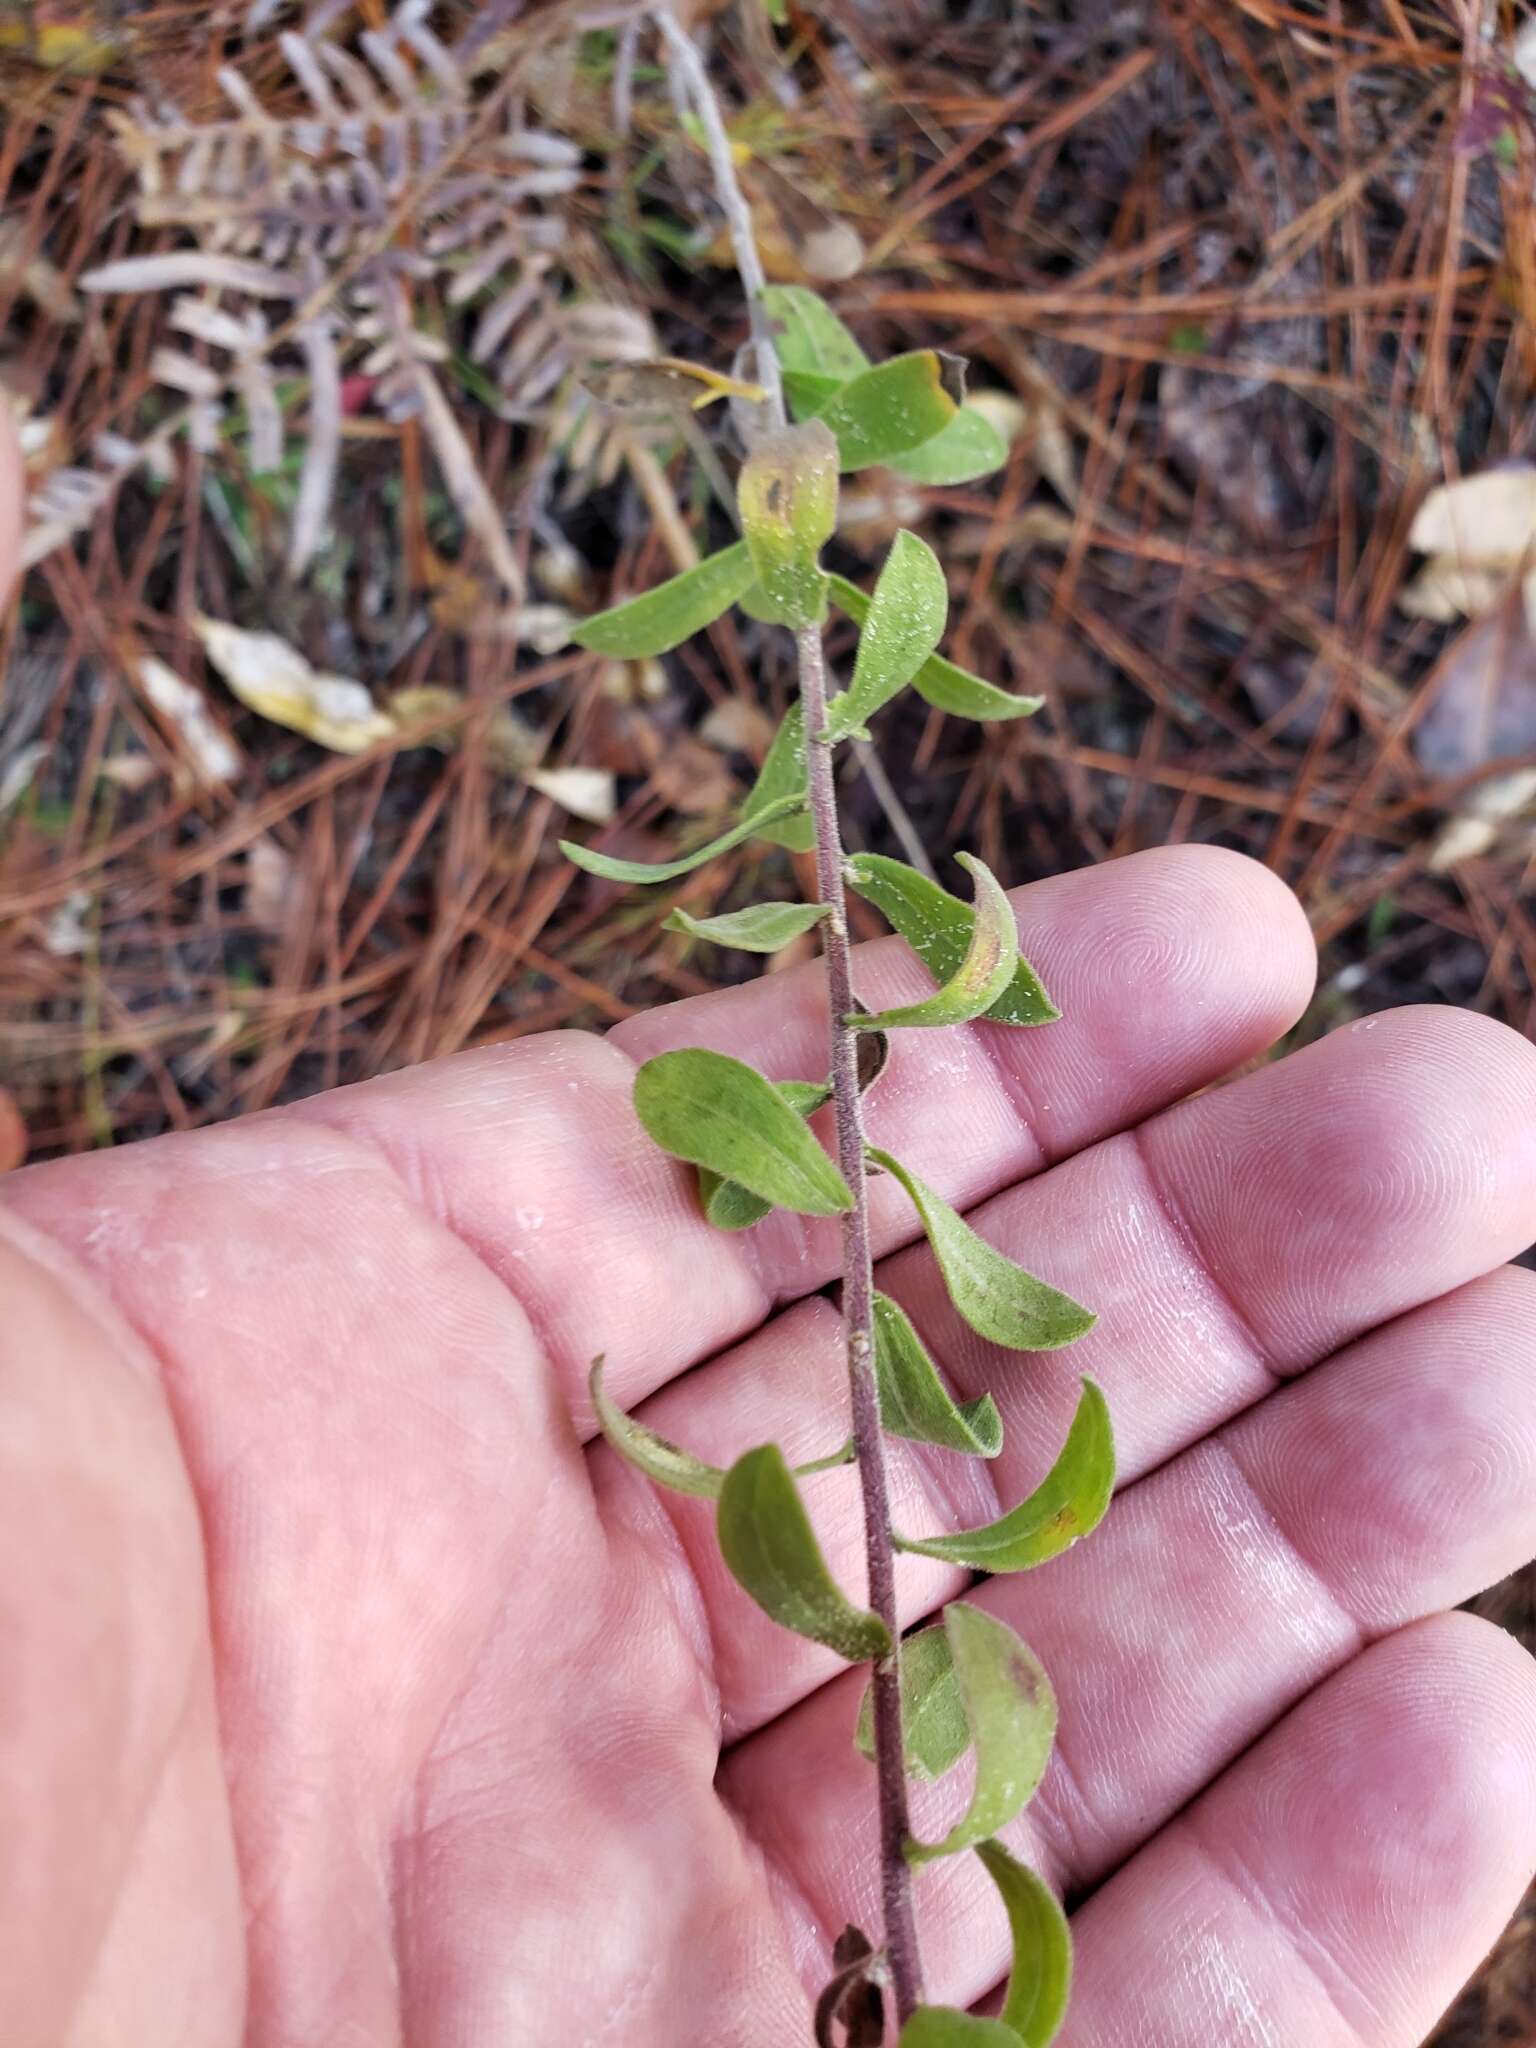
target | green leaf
[
  {"x": 945, "y": 2026},
  {"x": 1011, "y": 1710},
  {"x": 787, "y": 495},
  {"x": 808, "y": 335},
  {"x": 895, "y": 406},
  {"x": 660, "y": 1459},
  {"x": 807, "y": 391},
  {"x": 904, "y": 624},
  {"x": 771, "y": 1551},
  {"x": 984, "y": 974},
  {"x": 762, "y": 928},
  {"x": 757, "y": 825},
  {"x": 720, "y": 1113},
  {"x": 1069, "y": 1502},
  {"x": 1041, "y": 1979},
  {"x": 671, "y": 613},
  {"x": 654, "y": 1455},
  {"x": 938, "y": 928},
  {"x": 935, "y": 1732},
  {"x": 941, "y": 682},
  {"x": 997, "y": 1298},
  {"x": 730, "y": 1206},
  {"x": 776, "y": 805},
  {"x": 969, "y": 447},
  {"x": 914, "y": 1401}
]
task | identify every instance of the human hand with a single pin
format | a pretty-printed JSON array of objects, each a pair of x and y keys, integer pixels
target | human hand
[{"x": 348, "y": 1698}]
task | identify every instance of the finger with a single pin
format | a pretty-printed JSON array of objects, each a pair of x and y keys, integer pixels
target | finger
[
  {"x": 102, "y": 1618},
  {"x": 1397, "y": 1479},
  {"x": 1411, "y": 1146},
  {"x": 533, "y": 1153},
  {"x": 1340, "y": 1885}
]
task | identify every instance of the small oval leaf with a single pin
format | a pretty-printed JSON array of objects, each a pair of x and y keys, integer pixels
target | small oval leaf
[
  {"x": 612, "y": 870},
  {"x": 945, "y": 2026},
  {"x": 775, "y": 809},
  {"x": 893, "y": 407},
  {"x": 771, "y": 1551},
  {"x": 720, "y": 1113},
  {"x": 652, "y": 1454},
  {"x": 985, "y": 972},
  {"x": 914, "y": 1401},
  {"x": 1011, "y": 1710},
  {"x": 938, "y": 928},
  {"x": 671, "y": 613},
  {"x": 807, "y": 334},
  {"x": 728, "y": 1205},
  {"x": 1040, "y": 1982},
  {"x": 762, "y": 928},
  {"x": 942, "y": 682},
  {"x": 1069, "y": 1502},
  {"x": 935, "y": 1732},
  {"x": 997, "y": 1298},
  {"x": 904, "y": 625},
  {"x": 969, "y": 447}
]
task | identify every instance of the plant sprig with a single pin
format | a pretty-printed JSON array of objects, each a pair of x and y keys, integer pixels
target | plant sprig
[{"x": 969, "y": 1684}]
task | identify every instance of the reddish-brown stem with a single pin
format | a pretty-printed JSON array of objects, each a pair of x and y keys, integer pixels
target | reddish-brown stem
[
  {"x": 858, "y": 1322},
  {"x": 858, "y": 1273}
]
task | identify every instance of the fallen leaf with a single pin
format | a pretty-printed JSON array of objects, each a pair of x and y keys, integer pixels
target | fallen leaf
[
  {"x": 274, "y": 680},
  {"x": 737, "y": 726},
  {"x": 1487, "y": 520},
  {"x": 269, "y": 884},
  {"x": 211, "y": 754},
  {"x": 588, "y": 793},
  {"x": 1487, "y": 811},
  {"x": 17, "y": 779}
]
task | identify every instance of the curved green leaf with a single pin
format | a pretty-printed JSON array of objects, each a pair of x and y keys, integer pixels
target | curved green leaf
[
  {"x": 963, "y": 695},
  {"x": 938, "y": 928},
  {"x": 942, "y": 682},
  {"x": 671, "y": 613},
  {"x": 1011, "y": 1710},
  {"x": 808, "y": 335},
  {"x": 654, "y": 1455},
  {"x": 996, "y": 1297},
  {"x": 611, "y": 870},
  {"x": 904, "y": 624},
  {"x": 969, "y": 447},
  {"x": 914, "y": 1401},
  {"x": 945, "y": 2026},
  {"x": 720, "y": 1113},
  {"x": 1041, "y": 1979},
  {"x": 893, "y": 407},
  {"x": 935, "y": 1732},
  {"x": 1069, "y": 1502},
  {"x": 771, "y": 1551},
  {"x": 984, "y": 974},
  {"x": 762, "y": 928},
  {"x": 727, "y": 1204},
  {"x": 665, "y": 1462},
  {"x": 776, "y": 805}
]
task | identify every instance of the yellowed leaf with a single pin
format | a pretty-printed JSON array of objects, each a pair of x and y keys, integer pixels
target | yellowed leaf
[
  {"x": 274, "y": 680},
  {"x": 211, "y": 754}
]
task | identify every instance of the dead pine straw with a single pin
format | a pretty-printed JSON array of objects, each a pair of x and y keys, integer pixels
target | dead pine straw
[{"x": 1246, "y": 282}]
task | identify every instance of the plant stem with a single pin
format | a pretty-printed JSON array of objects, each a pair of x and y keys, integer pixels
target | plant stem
[
  {"x": 858, "y": 1324},
  {"x": 858, "y": 1266}
]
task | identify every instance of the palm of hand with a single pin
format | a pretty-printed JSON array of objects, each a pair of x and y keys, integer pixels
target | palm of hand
[{"x": 348, "y": 1700}]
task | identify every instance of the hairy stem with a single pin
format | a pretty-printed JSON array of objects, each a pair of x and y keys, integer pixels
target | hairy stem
[
  {"x": 858, "y": 1274},
  {"x": 858, "y": 1324}
]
